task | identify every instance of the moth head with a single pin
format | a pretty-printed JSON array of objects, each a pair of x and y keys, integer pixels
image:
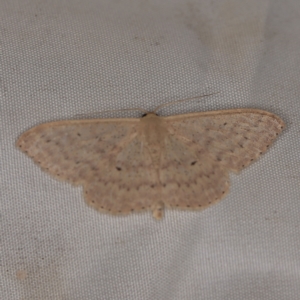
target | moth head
[{"x": 149, "y": 115}]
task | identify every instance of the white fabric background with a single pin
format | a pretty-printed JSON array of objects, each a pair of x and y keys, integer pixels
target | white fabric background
[{"x": 63, "y": 58}]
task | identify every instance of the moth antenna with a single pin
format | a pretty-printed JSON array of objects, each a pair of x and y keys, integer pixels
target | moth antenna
[
  {"x": 113, "y": 110},
  {"x": 179, "y": 101}
]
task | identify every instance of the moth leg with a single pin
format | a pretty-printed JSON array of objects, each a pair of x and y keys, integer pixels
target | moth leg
[{"x": 158, "y": 210}]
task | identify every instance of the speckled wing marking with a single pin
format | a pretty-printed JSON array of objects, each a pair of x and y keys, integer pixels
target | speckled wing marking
[
  {"x": 126, "y": 184},
  {"x": 234, "y": 138},
  {"x": 105, "y": 156},
  {"x": 203, "y": 147},
  {"x": 190, "y": 178},
  {"x": 128, "y": 165}
]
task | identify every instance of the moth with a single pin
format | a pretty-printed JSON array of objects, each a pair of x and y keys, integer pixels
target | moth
[{"x": 130, "y": 165}]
